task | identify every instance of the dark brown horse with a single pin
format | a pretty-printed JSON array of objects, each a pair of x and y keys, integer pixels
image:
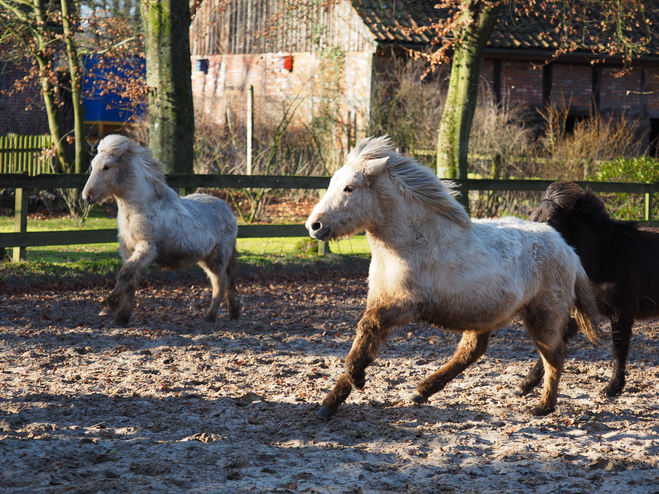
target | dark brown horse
[{"x": 622, "y": 263}]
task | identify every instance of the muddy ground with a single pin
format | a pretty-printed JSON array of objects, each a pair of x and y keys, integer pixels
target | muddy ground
[{"x": 173, "y": 404}]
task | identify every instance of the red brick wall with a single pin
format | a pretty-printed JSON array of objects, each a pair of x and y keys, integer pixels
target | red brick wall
[
  {"x": 620, "y": 93},
  {"x": 653, "y": 92},
  {"x": 15, "y": 117},
  {"x": 572, "y": 84},
  {"x": 522, "y": 82}
]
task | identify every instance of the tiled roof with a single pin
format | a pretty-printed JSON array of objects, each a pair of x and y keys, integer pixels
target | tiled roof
[{"x": 391, "y": 22}]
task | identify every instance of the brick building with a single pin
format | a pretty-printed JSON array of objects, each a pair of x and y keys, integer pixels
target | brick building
[{"x": 235, "y": 44}]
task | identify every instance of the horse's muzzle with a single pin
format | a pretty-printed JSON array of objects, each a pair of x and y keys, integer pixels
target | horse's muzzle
[
  {"x": 88, "y": 198},
  {"x": 319, "y": 231}
]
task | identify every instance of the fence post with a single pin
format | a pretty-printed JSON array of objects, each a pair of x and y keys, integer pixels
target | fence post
[
  {"x": 250, "y": 127},
  {"x": 647, "y": 206},
  {"x": 20, "y": 221}
]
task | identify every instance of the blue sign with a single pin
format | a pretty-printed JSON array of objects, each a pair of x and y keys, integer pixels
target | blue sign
[{"x": 109, "y": 107}]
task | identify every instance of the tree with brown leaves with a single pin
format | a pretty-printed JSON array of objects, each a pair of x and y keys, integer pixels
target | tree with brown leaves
[{"x": 619, "y": 28}]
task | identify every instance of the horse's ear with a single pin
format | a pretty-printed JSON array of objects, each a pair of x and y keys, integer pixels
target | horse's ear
[{"x": 372, "y": 167}]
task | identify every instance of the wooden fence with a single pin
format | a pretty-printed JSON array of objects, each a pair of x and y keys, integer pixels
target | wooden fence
[
  {"x": 24, "y": 154},
  {"x": 20, "y": 238}
]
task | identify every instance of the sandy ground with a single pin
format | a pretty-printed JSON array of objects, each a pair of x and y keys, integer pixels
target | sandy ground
[{"x": 173, "y": 404}]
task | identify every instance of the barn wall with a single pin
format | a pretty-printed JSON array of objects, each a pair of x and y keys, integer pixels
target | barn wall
[
  {"x": 242, "y": 27},
  {"x": 573, "y": 83},
  {"x": 223, "y": 87}
]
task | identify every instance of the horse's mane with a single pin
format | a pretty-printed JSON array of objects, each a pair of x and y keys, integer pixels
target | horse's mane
[
  {"x": 571, "y": 197},
  {"x": 131, "y": 157},
  {"x": 413, "y": 179}
]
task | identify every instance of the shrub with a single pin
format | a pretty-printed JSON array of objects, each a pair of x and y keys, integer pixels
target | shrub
[{"x": 639, "y": 169}]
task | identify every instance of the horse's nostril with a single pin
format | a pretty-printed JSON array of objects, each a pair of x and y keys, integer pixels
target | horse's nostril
[{"x": 316, "y": 226}]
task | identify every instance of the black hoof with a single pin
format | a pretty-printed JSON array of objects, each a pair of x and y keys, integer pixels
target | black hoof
[
  {"x": 417, "y": 398},
  {"x": 541, "y": 411},
  {"x": 358, "y": 384},
  {"x": 121, "y": 321},
  {"x": 326, "y": 413},
  {"x": 613, "y": 389},
  {"x": 209, "y": 318}
]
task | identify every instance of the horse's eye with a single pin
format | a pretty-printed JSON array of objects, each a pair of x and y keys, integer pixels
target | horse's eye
[
  {"x": 348, "y": 188},
  {"x": 106, "y": 167}
]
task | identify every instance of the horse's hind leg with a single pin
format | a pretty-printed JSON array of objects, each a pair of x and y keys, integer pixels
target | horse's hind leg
[
  {"x": 534, "y": 376},
  {"x": 218, "y": 282},
  {"x": 621, "y": 332},
  {"x": 543, "y": 328},
  {"x": 372, "y": 330},
  {"x": 234, "y": 304},
  {"x": 472, "y": 345}
]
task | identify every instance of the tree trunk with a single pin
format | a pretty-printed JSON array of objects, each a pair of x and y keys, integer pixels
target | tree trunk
[
  {"x": 76, "y": 89},
  {"x": 62, "y": 149},
  {"x": 168, "y": 73},
  {"x": 453, "y": 137}
]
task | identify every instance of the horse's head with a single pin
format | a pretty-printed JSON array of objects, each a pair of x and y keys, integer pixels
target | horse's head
[
  {"x": 108, "y": 168},
  {"x": 349, "y": 203},
  {"x": 379, "y": 186},
  {"x": 556, "y": 207}
]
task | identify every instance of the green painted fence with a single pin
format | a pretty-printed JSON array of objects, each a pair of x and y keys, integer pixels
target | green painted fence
[
  {"x": 24, "y": 154},
  {"x": 22, "y": 183}
]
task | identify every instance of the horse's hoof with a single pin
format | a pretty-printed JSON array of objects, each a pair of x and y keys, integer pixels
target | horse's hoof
[
  {"x": 613, "y": 389},
  {"x": 416, "y": 398},
  {"x": 326, "y": 413},
  {"x": 121, "y": 321},
  {"x": 542, "y": 410},
  {"x": 358, "y": 384},
  {"x": 209, "y": 318},
  {"x": 104, "y": 313},
  {"x": 520, "y": 391}
]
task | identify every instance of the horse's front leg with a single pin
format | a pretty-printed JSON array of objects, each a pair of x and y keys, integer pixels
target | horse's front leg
[
  {"x": 372, "y": 330},
  {"x": 472, "y": 345},
  {"x": 120, "y": 301}
]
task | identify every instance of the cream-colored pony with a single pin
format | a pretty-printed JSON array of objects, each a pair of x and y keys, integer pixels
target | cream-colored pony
[
  {"x": 155, "y": 225},
  {"x": 431, "y": 262}
]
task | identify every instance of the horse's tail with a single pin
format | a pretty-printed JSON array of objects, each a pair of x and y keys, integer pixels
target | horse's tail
[
  {"x": 234, "y": 304},
  {"x": 586, "y": 313}
]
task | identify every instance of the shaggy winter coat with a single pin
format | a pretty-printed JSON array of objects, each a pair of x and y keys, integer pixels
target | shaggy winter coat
[{"x": 156, "y": 225}]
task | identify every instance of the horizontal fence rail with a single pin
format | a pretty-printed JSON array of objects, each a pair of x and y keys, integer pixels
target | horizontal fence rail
[{"x": 22, "y": 182}]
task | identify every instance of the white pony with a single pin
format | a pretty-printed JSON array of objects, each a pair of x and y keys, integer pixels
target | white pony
[
  {"x": 155, "y": 225},
  {"x": 431, "y": 263}
]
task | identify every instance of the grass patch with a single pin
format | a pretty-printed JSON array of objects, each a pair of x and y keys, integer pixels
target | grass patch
[{"x": 97, "y": 262}]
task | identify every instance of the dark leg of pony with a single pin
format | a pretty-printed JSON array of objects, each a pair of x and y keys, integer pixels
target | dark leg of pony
[
  {"x": 534, "y": 376},
  {"x": 472, "y": 345},
  {"x": 621, "y": 331},
  {"x": 372, "y": 330}
]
